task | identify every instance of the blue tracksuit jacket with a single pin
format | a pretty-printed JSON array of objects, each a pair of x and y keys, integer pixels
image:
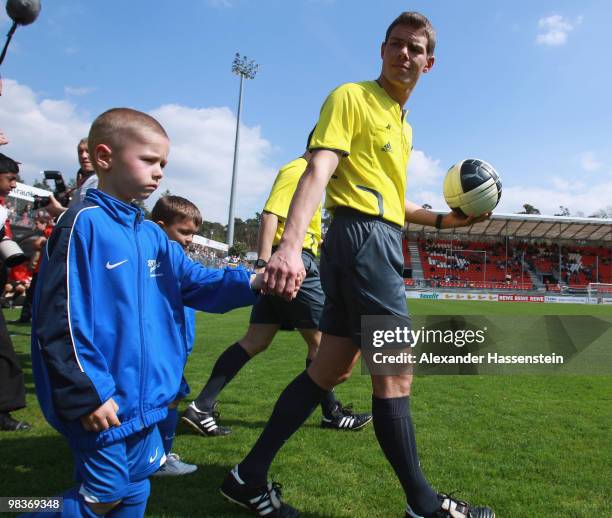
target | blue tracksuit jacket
[{"x": 109, "y": 317}]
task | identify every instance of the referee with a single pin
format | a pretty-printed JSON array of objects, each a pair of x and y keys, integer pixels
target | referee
[
  {"x": 360, "y": 151},
  {"x": 271, "y": 314}
]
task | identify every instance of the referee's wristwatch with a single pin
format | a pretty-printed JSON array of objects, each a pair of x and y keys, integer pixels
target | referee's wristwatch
[{"x": 261, "y": 263}]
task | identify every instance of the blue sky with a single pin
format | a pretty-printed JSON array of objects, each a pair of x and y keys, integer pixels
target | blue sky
[{"x": 523, "y": 85}]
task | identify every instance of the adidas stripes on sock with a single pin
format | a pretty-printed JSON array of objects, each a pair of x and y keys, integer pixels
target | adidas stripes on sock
[
  {"x": 294, "y": 406},
  {"x": 226, "y": 367},
  {"x": 395, "y": 433}
]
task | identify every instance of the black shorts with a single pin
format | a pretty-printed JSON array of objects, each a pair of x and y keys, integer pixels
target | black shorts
[
  {"x": 303, "y": 312},
  {"x": 361, "y": 272}
]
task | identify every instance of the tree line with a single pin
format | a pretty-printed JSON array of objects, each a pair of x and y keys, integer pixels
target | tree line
[{"x": 564, "y": 211}]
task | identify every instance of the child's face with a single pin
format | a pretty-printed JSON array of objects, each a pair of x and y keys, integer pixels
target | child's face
[
  {"x": 181, "y": 231},
  {"x": 137, "y": 166}
]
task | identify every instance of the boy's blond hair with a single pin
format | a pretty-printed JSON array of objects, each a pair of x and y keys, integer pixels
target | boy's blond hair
[
  {"x": 170, "y": 209},
  {"x": 117, "y": 125}
]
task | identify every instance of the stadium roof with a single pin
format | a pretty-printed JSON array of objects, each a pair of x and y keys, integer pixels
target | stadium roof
[{"x": 532, "y": 226}]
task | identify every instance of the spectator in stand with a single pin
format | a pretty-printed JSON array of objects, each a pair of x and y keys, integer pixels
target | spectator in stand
[
  {"x": 86, "y": 179},
  {"x": 10, "y": 206},
  {"x": 24, "y": 220},
  {"x": 12, "y": 388}
]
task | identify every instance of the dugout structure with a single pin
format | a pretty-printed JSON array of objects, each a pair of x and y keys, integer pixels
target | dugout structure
[{"x": 534, "y": 252}]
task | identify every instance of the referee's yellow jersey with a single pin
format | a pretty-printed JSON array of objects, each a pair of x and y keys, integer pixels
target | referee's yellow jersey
[
  {"x": 280, "y": 198},
  {"x": 362, "y": 122}
]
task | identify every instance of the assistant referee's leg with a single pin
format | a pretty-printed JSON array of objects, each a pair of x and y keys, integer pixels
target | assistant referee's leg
[{"x": 257, "y": 339}]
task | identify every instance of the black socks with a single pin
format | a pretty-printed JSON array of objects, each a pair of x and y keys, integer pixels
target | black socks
[
  {"x": 226, "y": 367},
  {"x": 395, "y": 434}
]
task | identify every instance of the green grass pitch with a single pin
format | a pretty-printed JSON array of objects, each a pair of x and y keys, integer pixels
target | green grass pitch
[{"x": 529, "y": 446}]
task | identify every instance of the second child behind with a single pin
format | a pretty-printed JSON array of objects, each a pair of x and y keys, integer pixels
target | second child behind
[{"x": 180, "y": 220}]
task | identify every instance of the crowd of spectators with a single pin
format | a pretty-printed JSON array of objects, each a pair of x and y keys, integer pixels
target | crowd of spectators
[
  {"x": 20, "y": 214},
  {"x": 215, "y": 259},
  {"x": 570, "y": 265},
  {"x": 463, "y": 262}
]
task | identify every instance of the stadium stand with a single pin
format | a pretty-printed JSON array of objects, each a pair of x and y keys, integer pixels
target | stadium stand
[
  {"x": 514, "y": 252},
  {"x": 475, "y": 264}
]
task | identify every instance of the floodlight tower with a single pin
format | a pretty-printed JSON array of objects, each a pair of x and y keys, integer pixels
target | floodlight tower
[{"x": 246, "y": 69}]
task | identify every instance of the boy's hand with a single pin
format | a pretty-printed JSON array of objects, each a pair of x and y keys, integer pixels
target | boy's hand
[
  {"x": 3, "y": 139},
  {"x": 102, "y": 418}
]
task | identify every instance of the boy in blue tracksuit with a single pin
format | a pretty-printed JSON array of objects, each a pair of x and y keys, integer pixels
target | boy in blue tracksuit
[
  {"x": 180, "y": 220},
  {"x": 109, "y": 338}
]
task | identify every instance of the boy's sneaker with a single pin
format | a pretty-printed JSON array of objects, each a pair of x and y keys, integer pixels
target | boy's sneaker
[
  {"x": 263, "y": 500},
  {"x": 205, "y": 423},
  {"x": 453, "y": 508},
  {"x": 343, "y": 418},
  {"x": 174, "y": 467}
]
